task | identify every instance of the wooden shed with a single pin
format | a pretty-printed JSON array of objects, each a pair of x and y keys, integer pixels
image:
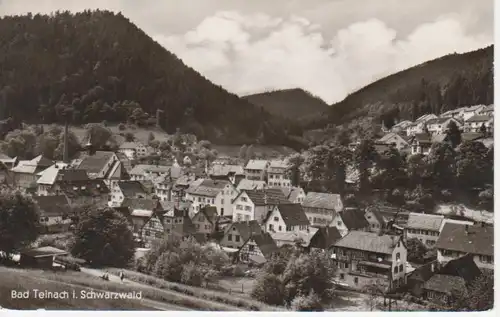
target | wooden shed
[{"x": 40, "y": 257}]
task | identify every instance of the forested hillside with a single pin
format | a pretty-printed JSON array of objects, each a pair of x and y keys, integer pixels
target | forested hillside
[
  {"x": 436, "y": 86},
  {"x": 294, "y": 104},
  {"x": 106, "y": 68}
]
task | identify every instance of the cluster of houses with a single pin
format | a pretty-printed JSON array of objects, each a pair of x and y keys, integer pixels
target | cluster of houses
[
  {"x": 475, "y": 124},
  {"x": 251, "y": 211}
]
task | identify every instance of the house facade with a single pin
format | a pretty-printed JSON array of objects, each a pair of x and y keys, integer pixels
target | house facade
[
  {"x": 475, "y": 123},
  {"x": 238, "y": 233},
  {"x": 256, "y": 170},
  {"x": 256, "y": 204},
  {"x": 122, "y": 189},
  {"x": 421, "y": 144},
  {"x": 287, "y": 218},
  {"x": 205, "y": 221},
  {"x": 365, "y": 258},
  {"x": 152, "y": 230},
  {"x": 350, "y": 219},
  {"x": 258, "y": 248},
  {"x": 440, "y": 125},
  {"x": 25, "y": 173},
  {"x": 394, "y": 139},
  {"x": 277, "y": 174},
  {"x": 217, "y": 193},
  {"x": 134, "y": 150},
  {"x": 145, "y": 172},
  {"x": 321, "y": 208},
  {"x": 424, "y": 227},
  {"x": 55, "y": 213}
]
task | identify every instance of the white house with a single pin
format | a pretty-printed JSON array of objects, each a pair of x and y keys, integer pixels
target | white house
[
  {"x": 287, "y": 218},
  {"x": 456, "y": 240},
  {"x": 277, "y": 174},
  {"x": 487, "y": 111},
  {"x": 321, "y": 208},
  {"x": 472, "y": 111},
  {"x": 256, "y": 170},
  {"x": 134, "y": 150},
  {"x": 295, "y": 195},
  {"x": 401, "y": 126},
  {"x": 424, "y": 227},
  {"x": 126, "y": 189},
  {"x": 419, "y": 125},
  {"x": 421, "y": 144},
  {"x": 474, "y": 123},
  {"x": 143, "y": 172},
  {"x": 247, "y": 184},
  {"x": 256, "y": 204},
  {"x": 217, "y": 193},
  {"x": 440, "y": 125}
]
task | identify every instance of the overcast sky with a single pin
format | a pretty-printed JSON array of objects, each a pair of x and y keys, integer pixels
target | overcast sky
[{"x": 328, "y": 47}]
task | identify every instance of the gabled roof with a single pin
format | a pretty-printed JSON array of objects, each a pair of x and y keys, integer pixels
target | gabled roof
[
  {"x": 210, "y": 212},
  {"x": 479, "y": 118},
  {"x": 265, "y": 197},
  {"x": 387, "y": 138},
  {"x": 322, "y": 200},
  {"x": 249, "y": 184},
  {"x": 464, "y": 266},
  {"x": 225, "y": 170},
  {"x": 208, "y": 187},
  {"x": 265, "y": 243},
  {"x": 439, "y": 120},
  {"x": 32, "y": 166},
  {"x": 97, "y": 162},
  {"x": 49, "y": 175},
  {"x": 245, "y": 228},
  {"x": 474, "y": 108},
  {"x": 131, "y": 188},
  {"x": 257, "y": 165},
  {"x": 467, "y": 239},
  {"x": 444, "y": 283},
  {"x": 71, "y": 174},
  {"x": 353, "y": 218},
  {"x": 424, "y": 221},
  {"x": 142, "y": 169},
  {"x": 281, "y": 164},
  {"x": 426, "y": 117},
  {"x": 293, "y": 214},
  {"x": 51, "y": 206},
  {"x": 423, "y": 138},
  {"x": 325, "y": 237},
  {"x": 141, "y": 203},
  {"x": 368, "y": 241}
]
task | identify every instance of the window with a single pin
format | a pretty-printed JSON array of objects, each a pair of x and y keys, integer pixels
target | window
[
  {"x": 251, "y": 248},
  {"x": 243, "y": 199},
  {"x": 271, "y": 227},
  {"x": 356, "y": 280},
  {"x": 396, "y": 269},
  {"x": 158, "y": 234},
  {"x": 398, "y": 256},
  {"x": 339, "y": 223},
  {"x": 279, "y": 228},
  {"x": 230, "y": 237},
  {"x": 222, "y": 211},
  {"x": 147, "y": 233},
  {"x": 342, "y": 276},
  {"x": 401, "y": 268},
  {"x": 239, "y": 207},
  {"x": 248, "y": 208},
  {"x": 276, "y": 219},
  {"x": 288, "y": 228},
  {"x": 237, "y": 238}
]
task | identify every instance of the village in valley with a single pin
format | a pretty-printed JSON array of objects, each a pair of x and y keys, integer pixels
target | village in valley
[{"x": 256, "y": 214}]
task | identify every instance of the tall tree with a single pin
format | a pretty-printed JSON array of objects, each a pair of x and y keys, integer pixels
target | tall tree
[
  {"x": 19, "y": 222},
  {"x": 473, "y": 168},
  {"x": 454, "y": 134},
  {"x": 364, "y": 158}
]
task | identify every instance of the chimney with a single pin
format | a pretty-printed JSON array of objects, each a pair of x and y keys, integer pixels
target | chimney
[{"x": 65, "y": 150}]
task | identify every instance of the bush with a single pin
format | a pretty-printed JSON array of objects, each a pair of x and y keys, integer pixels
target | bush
[
  {"x": 122, "y": 127},
  {"x": 310, "y": 302},
  {"x": 192, "y": 274},
  {"x": 269, "y": 289},
  {"x": 169, "y": 267}
]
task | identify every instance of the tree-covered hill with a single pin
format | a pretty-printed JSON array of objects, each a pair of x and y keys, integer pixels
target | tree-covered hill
[
  {"x": 446, "y": 83},
  {"x": 294, "y": 104},
  {"x": 108, "y": 69}
]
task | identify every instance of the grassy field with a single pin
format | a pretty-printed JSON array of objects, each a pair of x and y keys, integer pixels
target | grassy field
[
  {"x": 241, "y": 285},
  {"x": 233, "y": 299},
  {"x": 11, "y": 280}
]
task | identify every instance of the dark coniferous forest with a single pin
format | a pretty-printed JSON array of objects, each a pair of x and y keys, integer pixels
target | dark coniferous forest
[{"x": 103, "y": 67}]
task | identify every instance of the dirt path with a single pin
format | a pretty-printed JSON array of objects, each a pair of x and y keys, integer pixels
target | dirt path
[{"x": 116, "y": 279}]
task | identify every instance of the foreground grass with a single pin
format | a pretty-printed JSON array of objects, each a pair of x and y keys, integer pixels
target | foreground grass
[
  {"x": 11, "y": 280},
  {"x": 182, "y": 300},
  {"x": 221, "y": 297}
]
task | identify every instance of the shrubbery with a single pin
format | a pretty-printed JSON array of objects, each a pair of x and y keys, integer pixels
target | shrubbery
[{"x": 311, "y": 302}]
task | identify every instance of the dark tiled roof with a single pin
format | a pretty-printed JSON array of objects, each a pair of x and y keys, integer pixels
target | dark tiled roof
[
  {"x": 325, "y": 237},
  {"x": 209, "y": 187},
  {"x": 70, "y": 175},
  {"x": 424, "y": 272},
  {"x": 210, "y": 212},
  {"x": 321, "y": 200},
  {"x": 464, "y": 266},
  {"x": 88, "y": 188},
  {"x": 424, "y": 221},
  {"x": 269, "y": 196},
  {"x": 96, "y": 162},
  {"x": 141, "y": 203},
  {"x": 266, "y": 244},
  {"x": 293, "y": 214},
  {"x": 444, "y": 283},
  {"x": 53, "y": 205},
  {"x": 354, "y": 218},
  {"x": 246, "y": 228},
  {"x": 479, "y": 240},
  {"x": 423, "y": 137},
  {"x": 131, "y": 188},
  {"x": 368, "y": 241}
]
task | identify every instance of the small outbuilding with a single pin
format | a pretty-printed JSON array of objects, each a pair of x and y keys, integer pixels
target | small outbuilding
[{"x": 40, "y": 257}]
